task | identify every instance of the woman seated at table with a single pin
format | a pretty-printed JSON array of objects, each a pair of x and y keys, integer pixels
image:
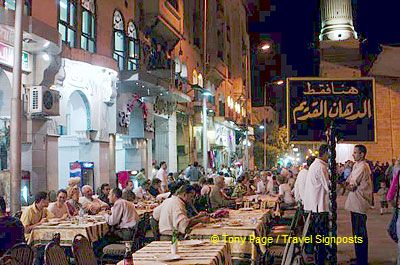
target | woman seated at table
[
  {"x": 285, "y": 194},
  {"x": 242, "y": 188},
  {"x": 172, "y": 214},
  {"x": 73, "y": 204},
  {"x": 59, "y": 208}
]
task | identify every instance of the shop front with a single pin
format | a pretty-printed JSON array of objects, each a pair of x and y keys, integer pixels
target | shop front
[
  {"x": 224, "y": 148},
  {"x": 146, "y": 122},
  {"x": 86, "y": 120}
]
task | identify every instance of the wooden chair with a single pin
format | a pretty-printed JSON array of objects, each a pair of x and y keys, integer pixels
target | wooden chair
[
  {"x": 115, "y": 252},
  {"x": 155, "y": 229},
  {"x": 83, "y": 251},
  {"x": 54, "y": 254},
  {"x": 22, "y": 253},
  {"x": 8, "y": 260},
  {"x": 18, "y": 214}
]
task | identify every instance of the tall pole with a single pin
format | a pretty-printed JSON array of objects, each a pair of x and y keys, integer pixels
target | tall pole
[
  {"x": 205, "y": 155},
  {"x": 265, "y": 129},
  {"x": 16, "y": 103},
  {"x": 333, "y": 196}
]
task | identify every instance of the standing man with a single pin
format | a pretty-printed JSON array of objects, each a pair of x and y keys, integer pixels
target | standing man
[
  {"x": 194, "y": 173},
  {"x": 300, "y": 184},
  {"x": 162, "y": 175},
  {"x": 316, "y": 200},
  {"x": 127, "y": 193},
  {"x": 359, "y": 201}
]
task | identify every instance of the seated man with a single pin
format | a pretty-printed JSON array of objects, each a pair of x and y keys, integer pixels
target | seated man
[
  {"x": 104, "y": 192},
  {"x": 11, "y": 229},
  {"x": 36, "y": 214},
  {"x": 59, "y": 208},
  {"x": 127, "y": 193},
  {"x": 172, "y": 214},
  {"x": 155, "y": 187},
  {"x": 217, "y": 198},
  {"x": 89, "y": 204},
  {"x": 123, "y": 216}
]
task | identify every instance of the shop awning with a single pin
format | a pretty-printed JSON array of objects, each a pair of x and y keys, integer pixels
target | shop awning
[{"x": 146, "y": 84}]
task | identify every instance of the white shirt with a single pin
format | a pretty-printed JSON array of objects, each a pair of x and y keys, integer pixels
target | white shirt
[
  {"x": 316, "y": 197},
  {"x": 285, "y": 191},
  {"x": 300, "y": 185},
  {"x": 360, "y": 199},
  {"x": 123, "y": 214},
  {"x": 162, "y": 175},
  {"x": 171, "y": 214},
  {"x": 261, "y": 189}
]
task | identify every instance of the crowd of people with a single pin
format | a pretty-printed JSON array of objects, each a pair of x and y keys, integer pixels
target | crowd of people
[{"x": 189, "y": 197}]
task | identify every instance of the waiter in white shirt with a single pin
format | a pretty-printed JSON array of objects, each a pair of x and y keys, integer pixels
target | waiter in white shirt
[
  {"x": 359, "y": 201},
  {"x": 163, "y": 176},
  {"x": 316, "y": 200},
  {"x": 300, "y": 184}
]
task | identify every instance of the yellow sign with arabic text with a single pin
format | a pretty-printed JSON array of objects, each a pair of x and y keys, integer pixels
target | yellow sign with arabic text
[{"x": 315, "y": 102}]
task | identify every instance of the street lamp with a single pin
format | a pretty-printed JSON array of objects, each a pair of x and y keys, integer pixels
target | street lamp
[
  {"x": 279, "y": 83},
  {"x": 262, "y": 127},
  {"x": 265, "y": 47},
  {"x": 205, "y": 93}
]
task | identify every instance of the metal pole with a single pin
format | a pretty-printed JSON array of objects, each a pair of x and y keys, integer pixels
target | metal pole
[
  {"x": 333, "y": 195},
  {"x": 16, "y": 103},
  {"x": 205, "y": 155},
  {"x": 265, "y": 129},
  {"x": 111, "y": 158}
]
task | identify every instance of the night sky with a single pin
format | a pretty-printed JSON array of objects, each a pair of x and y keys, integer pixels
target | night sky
[{"x": 298, "y": 23}]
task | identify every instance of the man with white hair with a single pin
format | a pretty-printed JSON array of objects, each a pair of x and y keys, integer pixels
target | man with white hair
[
  {"x": 217, "y": 198},
  {"x": 91, "y": 205}
]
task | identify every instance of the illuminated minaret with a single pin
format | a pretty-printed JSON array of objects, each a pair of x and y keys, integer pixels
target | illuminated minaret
[{"x": 337, "y": 20}]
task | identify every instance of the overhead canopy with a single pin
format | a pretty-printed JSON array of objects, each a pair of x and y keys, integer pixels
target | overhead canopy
[{"x": 148, "y": 85}]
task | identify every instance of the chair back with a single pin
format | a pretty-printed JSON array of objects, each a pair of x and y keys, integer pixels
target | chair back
[
  {"x": 155, "y": 229},
  {"x": 8, "y": 260},
  {"x": 83, "y": 251},
  {"x": 22, "y": 253},
  {"x": 18, "y": 214},
  {"x": 140, "y": 233},
  {"x": 246, "y": 204},
  {"x": 264, "y": 205},
  {"x": 54, "y": 254}
]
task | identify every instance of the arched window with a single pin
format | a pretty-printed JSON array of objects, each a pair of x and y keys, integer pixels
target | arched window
[
  {"x": 200, "y": 80},
  {"x": 10, "y": 4},
  {"x": 133, "y": 47},
  {"x": 194, "y": 77},
  {"x": 119, "y": 39},
  {"x": 67, "y": 21},
  {"x": 88, "y": 37}
]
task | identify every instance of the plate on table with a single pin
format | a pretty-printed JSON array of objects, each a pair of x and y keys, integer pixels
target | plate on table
[
  {"x": 216, "y": 225},
  {"x": 168, "y": 257},
  {"x": 246, "y": 209},
  {"x": 53, "y": 223},
  {"x": 234, "y": 223},
  {"x": 191, "y": 243}
]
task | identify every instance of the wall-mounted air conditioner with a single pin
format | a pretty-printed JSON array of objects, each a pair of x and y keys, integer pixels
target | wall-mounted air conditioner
[{"x": 43, "y": 101}]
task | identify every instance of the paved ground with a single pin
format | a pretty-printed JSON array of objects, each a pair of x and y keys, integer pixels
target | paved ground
[{"x": 382, "y": 250}]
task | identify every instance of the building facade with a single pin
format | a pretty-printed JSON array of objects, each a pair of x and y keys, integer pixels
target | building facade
[{"x": 130, "y": 76}]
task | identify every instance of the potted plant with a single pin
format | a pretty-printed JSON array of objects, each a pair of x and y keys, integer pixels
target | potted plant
[{"x": 174, "y": 241}]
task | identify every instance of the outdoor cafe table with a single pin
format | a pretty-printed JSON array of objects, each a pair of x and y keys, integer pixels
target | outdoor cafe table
[
  {"x": 207, "y": 253},
  {"x": 254, "y": 224},
  {"x": 44, "y": 233}
]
